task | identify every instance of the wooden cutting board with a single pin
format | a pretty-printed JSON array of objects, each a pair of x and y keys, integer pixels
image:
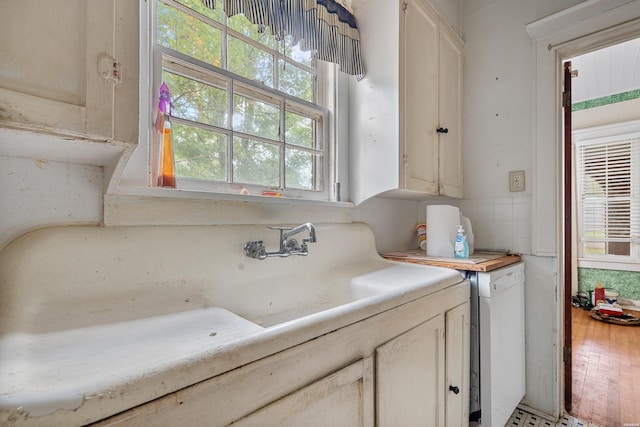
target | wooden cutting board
[{"x": 479, "y": 261}]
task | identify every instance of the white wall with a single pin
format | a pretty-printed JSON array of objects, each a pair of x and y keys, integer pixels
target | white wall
[
  {"x": 35, "y": 193},
  {"x": 498, "y": 129},
  {"x": 393, "y": 222},
  {"x": 498, "y": 138},
  {"x": 510, "y": 123},
  {"x": 38, "y": 193},
  {"x": 541, "y": 330},
  {"x": 619, "y": 112},
  {"x": 451, "y": 11},
  {"x": 498, "y": 98}
]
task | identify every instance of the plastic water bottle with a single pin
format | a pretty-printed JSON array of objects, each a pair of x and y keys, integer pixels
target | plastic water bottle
[{"x": 461, "y": 247}]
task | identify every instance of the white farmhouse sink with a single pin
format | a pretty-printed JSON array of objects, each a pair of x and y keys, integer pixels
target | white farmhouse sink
[
  {"x": 333, "y": 292},
  {"x": 95, "y": 320}
]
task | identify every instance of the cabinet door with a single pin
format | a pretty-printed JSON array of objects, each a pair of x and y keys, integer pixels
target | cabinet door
[
  {"x": 410, "y": 377},
  {"x": 58, "y": 67},
  {"x": 450, "y": 113},
  {"x": 419, "y": 89},
  {"x": 457, "y": 365},
  {"x": 344, "y": 398}
]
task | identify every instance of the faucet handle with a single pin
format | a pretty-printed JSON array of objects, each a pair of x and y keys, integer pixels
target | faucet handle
[
  {"x": 292, "y": 245},
  {"x": 255, "y": 249}
]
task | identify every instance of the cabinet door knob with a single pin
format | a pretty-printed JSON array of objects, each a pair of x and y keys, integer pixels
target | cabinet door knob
[
  {"x": 442, "y": 130},
  {"x": 454, "y": 389}
]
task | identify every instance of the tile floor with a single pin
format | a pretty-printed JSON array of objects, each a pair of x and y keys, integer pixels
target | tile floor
[
  {"x": 522, "y": 418},
  {"x": 526, "y": 419}
]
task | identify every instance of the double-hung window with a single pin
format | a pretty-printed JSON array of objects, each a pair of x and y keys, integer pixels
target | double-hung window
[
  {"x": 247, "y": 110},
  {"x": 608, "y": 196}
]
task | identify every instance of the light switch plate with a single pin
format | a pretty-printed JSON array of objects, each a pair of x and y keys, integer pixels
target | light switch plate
[{"x": 516, "y": 181}]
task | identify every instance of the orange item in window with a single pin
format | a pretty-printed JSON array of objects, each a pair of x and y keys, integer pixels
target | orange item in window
[{"x": 166, "y": 167}]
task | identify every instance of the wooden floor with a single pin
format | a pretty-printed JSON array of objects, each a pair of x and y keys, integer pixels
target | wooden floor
[{"x": 606, "y": 371}]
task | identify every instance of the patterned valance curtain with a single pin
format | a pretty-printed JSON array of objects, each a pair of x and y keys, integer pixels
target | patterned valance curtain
[{"x": 325, "y": 26}]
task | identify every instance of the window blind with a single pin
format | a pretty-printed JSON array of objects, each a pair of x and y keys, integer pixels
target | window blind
[{"x": 609, "y": 195}]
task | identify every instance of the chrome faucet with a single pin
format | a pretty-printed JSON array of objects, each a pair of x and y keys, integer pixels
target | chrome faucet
[
  {"x": 286, "y": 233},
  {"x": 288, "y": 245}
]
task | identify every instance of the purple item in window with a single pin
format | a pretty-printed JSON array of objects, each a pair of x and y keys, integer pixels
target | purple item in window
[{"x": 164, "y": 102}]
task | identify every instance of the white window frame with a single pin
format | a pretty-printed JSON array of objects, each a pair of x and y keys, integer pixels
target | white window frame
[
  {"x": 600, "y": 135},
  {"x": 138, "y": 171}
]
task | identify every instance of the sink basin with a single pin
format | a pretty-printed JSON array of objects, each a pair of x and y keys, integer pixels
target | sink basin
[
  {"x": 83, "y": 355},
  {"x": 343, "y": 290}
]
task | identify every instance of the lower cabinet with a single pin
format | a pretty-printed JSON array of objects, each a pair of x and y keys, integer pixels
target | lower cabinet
[
  {"x": 457, "y": 367},
  {"x": 344, "y": 398},
  {"x": 408, "y": 366},
  {"x": 410, "y": 377},
  {"x": 422, "y": 376}
]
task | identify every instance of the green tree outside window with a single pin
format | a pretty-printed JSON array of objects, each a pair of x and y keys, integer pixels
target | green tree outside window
[{"x": 249, "y": 130}]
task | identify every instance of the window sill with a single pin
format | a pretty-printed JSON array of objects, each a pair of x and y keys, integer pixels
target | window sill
[
  {"x": 622, "y": 265},
  {"x": 162, "y": 206}
]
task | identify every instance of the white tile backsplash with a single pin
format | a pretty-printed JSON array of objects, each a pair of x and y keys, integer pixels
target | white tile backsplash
[
  {"x": 503, "y": 211},
  {"x": 484, "y": 212},
  {"x": 522, "y": 211},
  {"x": 500, "y": 223},
  {"x": 521, "y": 229}
]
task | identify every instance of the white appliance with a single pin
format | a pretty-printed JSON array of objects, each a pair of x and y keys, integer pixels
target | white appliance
[{"x": 501, "y": 340}]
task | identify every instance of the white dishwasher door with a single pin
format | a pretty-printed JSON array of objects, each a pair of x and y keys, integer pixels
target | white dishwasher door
[{"x": 502, "y": 338}]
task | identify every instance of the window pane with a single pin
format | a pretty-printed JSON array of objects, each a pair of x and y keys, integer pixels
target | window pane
[
  {"x": 215, "y": 14},
  {"x": 249, "y": 61},
  {"x": 256, "y": 162},
  {"x": 606, "y": 185},
  {"x": 199, "y": 153},
  {"x": 256, "y": 117},
  {"x": 299, "y": 129},
  {"x": 295, "y": 81},
  {"x": 186, "y": 34},
  {"x": 619, "y": 248},
  {"x": 294, "y": 52},
  {"x": 197, "y": 101},
  {"x": 594, "y": 248},
  {"x": 299, "y": 169},
  {"x": 238, "y": 126},
  {"x": 242, "y": 25}
]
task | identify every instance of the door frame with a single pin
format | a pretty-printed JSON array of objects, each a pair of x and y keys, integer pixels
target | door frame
[
  {"x": 579, "y": 29},
  {"x": 568, "y": 256},
  {"x": 567, "y": 233}
]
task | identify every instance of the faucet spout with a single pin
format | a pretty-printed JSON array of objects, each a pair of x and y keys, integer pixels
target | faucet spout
[{"x": 287, "y": 234}]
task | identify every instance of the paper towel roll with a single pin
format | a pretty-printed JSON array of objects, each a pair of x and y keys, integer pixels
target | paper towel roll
[{"x": 442, "y": 226}]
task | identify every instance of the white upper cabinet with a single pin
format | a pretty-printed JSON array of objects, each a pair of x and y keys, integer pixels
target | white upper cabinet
[
  {"x": 413, "y": 87},
  {"x": 69, "y": 79},
  {"x": 450, "y": 172}
]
